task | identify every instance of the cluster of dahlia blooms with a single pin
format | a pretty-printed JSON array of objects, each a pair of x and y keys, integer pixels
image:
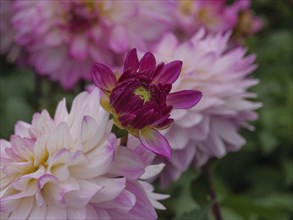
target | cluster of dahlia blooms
[
  {"x": 216, "y": 16},
  {"x": 211, "y": 128},
  {"x": 63, "y": 38},
  {"x": 140, "y": 100},
  {"x": 71, "y": 167}
]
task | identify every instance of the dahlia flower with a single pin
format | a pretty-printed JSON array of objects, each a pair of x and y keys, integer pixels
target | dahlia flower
[
  {"x": 140, "y": 99},
  {"x": 215, "y": 16},
  {"x": 70, "y": 167},
  {"x": 64, "y": 37},
  {"x": 211, "y": 129}
]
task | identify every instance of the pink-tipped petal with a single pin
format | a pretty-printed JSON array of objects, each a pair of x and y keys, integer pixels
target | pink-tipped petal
[
  {"x": 184, "y": 99},
  {"x": 131, "y": 62},
  {"x": 155, "y": 141},
  {"x": 147, "y": 62},
  {"x": 169, "y": 73},
  {"x": 103, "y": 77}
]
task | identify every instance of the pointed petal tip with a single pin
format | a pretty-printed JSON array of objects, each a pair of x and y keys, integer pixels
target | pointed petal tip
[
  {"x": 131, "y": 62},
  {"x": 103, "y": 77},
  {"x": 155, "y": 142},
  {"x": 184, "y": 99},
  {"x": 148, "y": 61},
  {"x": 169, "y": 72}
]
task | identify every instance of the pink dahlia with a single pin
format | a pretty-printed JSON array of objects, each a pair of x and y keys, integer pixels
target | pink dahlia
[
  {"x": 65, "y": 37},
  {"x": 140, "y": 100},
  {"x": 215, "y": 16},
  {"x": 70, "y": 167},
  {"x": 211, "y": 129}
]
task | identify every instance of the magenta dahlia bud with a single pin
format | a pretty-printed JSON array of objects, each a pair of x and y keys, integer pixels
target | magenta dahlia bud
[{"x": 140, "y": 99}]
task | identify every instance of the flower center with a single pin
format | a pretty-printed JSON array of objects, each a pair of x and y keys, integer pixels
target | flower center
[
  {"x": 82, "y": 16},
  {"x": 185, "y": 7},
  {"x": 143, "y": 93}
]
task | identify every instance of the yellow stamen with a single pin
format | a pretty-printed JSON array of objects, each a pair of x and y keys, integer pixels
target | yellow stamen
[{"x": 143, "y": 93}]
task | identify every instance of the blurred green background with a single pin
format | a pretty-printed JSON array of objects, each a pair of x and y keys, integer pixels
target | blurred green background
[{"x": 255, "y": 183}]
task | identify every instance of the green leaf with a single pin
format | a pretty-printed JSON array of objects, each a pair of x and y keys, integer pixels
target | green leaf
[
  {"x": 247, "y": 208},
  {"x": 287, "y": 166},
  {"x": 119, "y": 132}
]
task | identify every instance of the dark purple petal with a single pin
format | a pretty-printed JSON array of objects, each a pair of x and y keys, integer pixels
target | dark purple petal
[
  {"x": 165, "y": 124},
  {"x": 155, "y": 141},
  {"x": 169, "y": 73},
  {"x": 126, "y": 119},
  {"x": 184, "y": 99},
  {"x": 143, "y": 118},
  {"x": 103, "y": 77},
  {"x": 147, "y": 62},
  {"x": 131, "y": 62}
]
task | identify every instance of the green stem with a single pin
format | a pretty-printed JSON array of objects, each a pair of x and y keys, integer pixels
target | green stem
[{"x": 216, "y": 205}]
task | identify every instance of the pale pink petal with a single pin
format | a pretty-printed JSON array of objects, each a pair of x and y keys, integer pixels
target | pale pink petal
[
  {"x": 60, "y": 138},
  {"x": 21, "y": 129},
  {"x": 143, "y": 208},
  {"x": 61, "y": 112},
  {"x": 78, "y": 48},
  {"x": 127, "y": 164},
  {"x": 155, "y": 141},
  {"x": 38, "y": 212},
  {"x": 90, "y": 133},
  {"x": 80, "y": 198},
  {"x": 47, "y": 178},
  {"x": 91, "y": 212},
  {"x": 54, "y": 212},
  {"x": 119, "y": 40},
  {"x": 100, "y": 160},
  {"x": 77, "y": 213},
  {"x": 111, "y": 188},
  {"x": 152, "y": 170},
  {"x": 23, "y": 211},
  {"x": 102, "y": 213}
]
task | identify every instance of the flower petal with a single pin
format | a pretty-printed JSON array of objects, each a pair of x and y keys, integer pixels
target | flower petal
[
  {"x": 54, "y": 212},
  {"x": 127, "y": 164},
  {"x": 119, "y": 40},
  {"x": 79, "y": 48},
  {"x": 148, "y": 61},
  {"x": 184, "y": 99},
  {"x": 77, "y": 213},
  {"x": 169, "y": 73},
  {"x": 22, "y": 211},
  {"x": 99, "y": 160},
  {"x": 103, "y": 77},
  {"x": 131, "y": 62},
  {"x": 112, "y": 187},
  {"x": 152, "y": 170},
  {"x": 155, "y": 141},
  {"x": 80, "y": 198}
]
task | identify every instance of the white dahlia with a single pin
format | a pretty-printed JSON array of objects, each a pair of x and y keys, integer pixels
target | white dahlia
[{"x": 70, "y": 167}]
